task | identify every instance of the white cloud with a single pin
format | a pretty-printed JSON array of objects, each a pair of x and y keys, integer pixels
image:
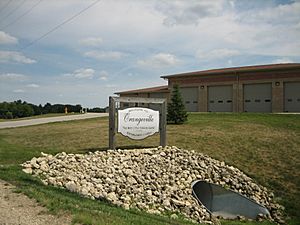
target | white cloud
[
  {"x": 91, "y": 41},
  {"x": 279, "y": 14},
  {"x": 216, "y": 54},
  {"x": 18, "y": 91},
  {"x": 11, "y": 56},
  {"x": 282, "y": 60},
  {"x": 263, "y": 33},
  {"x": 159, "y": 60},
  {"x": 104, "y": 55},
  {"x": 12, "y": 77},
  {"x": 7, "y": 39},
  {"x": 33, "y": 85},
  {"x": 182, "y": 12},
  {"x": 103, "y": 75},
  {"x": 81, "y": 73}
]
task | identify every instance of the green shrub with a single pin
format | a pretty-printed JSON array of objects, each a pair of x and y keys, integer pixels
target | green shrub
[
  {"x": 176, "y": 110},
  {"x": 9, "y": 115}
]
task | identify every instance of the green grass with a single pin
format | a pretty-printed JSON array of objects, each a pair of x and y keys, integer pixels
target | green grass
[
  {"x": 264, "y": 146},
  {"x": 83, "y": 210}
]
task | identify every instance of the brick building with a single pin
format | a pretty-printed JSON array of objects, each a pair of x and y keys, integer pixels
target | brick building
[{"x": 262, "y": 88}]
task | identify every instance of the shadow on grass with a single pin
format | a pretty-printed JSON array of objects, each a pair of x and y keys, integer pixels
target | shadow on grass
[{"x": 123, "y": 147}]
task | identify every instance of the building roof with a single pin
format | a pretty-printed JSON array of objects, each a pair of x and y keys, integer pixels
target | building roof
[
  {"x": 146, "y": 90},
  {"x": 242, "y": 69}
]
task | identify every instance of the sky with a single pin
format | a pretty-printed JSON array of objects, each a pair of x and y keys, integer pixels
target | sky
[{"x": 83, "y": 51}]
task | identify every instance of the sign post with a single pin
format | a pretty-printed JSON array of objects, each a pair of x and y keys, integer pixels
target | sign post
[{"x": 137, "y": 123}]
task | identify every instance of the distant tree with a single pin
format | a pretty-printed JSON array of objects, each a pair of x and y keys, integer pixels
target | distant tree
[
  {"x": 176, "y": 110},
  {"x": 36, "y": 110},
  {"x": 8, "y": 115},
  {"x": 26, "y": 110},
  {"x": 47, "y": 108},
  {"x": 96, "y": 109},
  {"x": 18, "y": 109},
  {"x": 57, "y": 108}
]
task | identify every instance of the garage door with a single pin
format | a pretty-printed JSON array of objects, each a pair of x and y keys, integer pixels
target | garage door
[
  {"x": 220, "y": 98},
  {"x": 258, "y": 97},
  {"x": 292, "y": 97},
  {"x": 190, "y": 98}
]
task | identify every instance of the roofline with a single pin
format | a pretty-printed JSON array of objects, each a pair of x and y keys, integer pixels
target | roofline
[
  {"x": 242, "y": 69},
  {"x": 144, "y": 90}
]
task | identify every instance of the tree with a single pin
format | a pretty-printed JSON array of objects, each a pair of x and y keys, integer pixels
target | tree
[
  {"x": 176, "y": 110},
  {"x": 8, "y": 115},
  {"x": 47, "y": 108}
]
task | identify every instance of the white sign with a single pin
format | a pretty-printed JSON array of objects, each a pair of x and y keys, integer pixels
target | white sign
[{"x": 138, "y": 123}]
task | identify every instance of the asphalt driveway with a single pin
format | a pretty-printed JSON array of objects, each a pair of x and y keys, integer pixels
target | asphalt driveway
[{"x": 30, "y": 122}]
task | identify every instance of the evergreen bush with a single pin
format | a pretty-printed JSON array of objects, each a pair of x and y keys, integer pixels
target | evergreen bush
[{"x": 176, "y": 110}]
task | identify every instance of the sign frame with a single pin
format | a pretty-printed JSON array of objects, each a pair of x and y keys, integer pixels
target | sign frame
[{"x": 162, "y": 102}]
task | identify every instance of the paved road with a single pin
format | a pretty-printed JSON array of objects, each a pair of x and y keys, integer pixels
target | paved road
[{"x": 29, "y": 122}]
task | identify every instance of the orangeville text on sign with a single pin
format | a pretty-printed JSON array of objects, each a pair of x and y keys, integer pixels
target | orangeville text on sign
[{"x": 138, "y": 123}]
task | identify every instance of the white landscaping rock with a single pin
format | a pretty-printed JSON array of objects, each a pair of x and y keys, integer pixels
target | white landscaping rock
[{"x": 157, "y": 180}]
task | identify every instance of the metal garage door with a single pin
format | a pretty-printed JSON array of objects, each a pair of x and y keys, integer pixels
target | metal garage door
[
  {"x": 220, "y": 98},
  {"x": 258, "y": 97},
  {"x": 292, "y": 97},
  {"x": 190, "y": 98}
]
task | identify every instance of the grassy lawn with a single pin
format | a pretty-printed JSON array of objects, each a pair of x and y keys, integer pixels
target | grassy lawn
[
  {"x": 264, "y": 146},
  {"x": 39, "y": 116}
]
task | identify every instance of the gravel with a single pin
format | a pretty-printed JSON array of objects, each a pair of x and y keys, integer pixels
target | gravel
[{"x": 156, "y": 180}]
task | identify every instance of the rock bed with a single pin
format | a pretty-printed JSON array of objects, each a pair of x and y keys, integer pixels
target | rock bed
[{"x": 157, "y": 180}]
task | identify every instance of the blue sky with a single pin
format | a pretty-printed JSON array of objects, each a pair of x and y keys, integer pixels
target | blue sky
[{"x": 122, "y": 44}]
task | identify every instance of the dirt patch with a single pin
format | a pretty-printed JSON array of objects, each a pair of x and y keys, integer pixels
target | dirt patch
[{"x": 18, "y": 209}]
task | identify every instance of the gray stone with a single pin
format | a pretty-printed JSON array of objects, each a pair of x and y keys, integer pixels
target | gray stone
[
  {"x": 126, "y": 206},
  {"x": 128, "y": 172},
  {"x": 84, "y": 191},
  {"x": 177, "y": 202},
  {"x": 131, "y": 180},
  {"x": 112, "y": 197},
  {"x": 27, "y": 170},
  {"x": 174, "y": 216},
  {"x": 166, "y": 202},
  {"x": 154, "y": 179},
  {"x": 44, "y": 167},
  {"x": 71, "y": 186},
  {"x": 149, "y": 192}
]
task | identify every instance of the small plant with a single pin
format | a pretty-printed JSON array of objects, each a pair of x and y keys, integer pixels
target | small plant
[{"x": 176, "y": 110}]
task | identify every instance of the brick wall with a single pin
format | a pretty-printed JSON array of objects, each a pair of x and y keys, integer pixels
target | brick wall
[{"x": 277, "y": 78}]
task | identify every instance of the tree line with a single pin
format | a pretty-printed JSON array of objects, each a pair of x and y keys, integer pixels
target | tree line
[{"x": 19, "y": 108}]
